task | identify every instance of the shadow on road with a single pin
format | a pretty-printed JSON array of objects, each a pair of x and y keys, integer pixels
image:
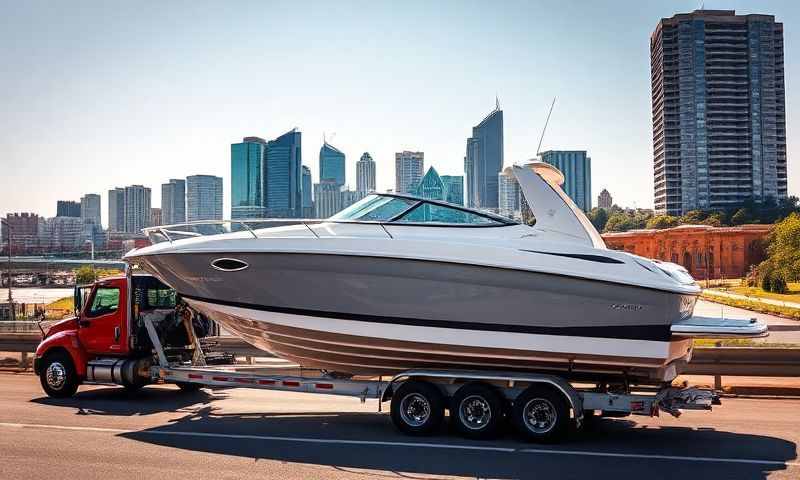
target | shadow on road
[{"x": 237, "y": 437}]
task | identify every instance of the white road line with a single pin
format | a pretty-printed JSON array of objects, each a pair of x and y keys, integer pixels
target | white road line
[{"x": 404, "y": 444}]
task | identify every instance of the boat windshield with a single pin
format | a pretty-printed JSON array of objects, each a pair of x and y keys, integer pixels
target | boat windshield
[{"x": 409, "y": 210}]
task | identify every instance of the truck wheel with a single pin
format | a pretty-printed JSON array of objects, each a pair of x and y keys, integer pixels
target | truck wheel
[
  {"x": 541, "y": 414},
  {"x": 477, "y": 411},
  {"x": 417, "y": 408},
  {"x": 188, "y": 387},
  {"x": 58, "y": 376}
]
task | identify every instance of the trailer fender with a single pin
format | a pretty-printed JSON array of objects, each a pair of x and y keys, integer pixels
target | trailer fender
[{"x": 66, "y": 341}]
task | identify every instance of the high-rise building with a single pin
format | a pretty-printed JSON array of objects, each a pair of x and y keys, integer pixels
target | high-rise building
[
  {"x": 577, "y": 169},
  {"x": 509, "y": 195},
  {"x": 331, "y": 164},
  {"x": 604, "y": 200},
  {"x": 173, "y": 202},
  {"x": 156, "y": 217},
  {"x": 430, "y": 186},
  {"x": 719, "y": 126},
  {"x": 453, "y": 188},
  {"x": 136, "y": 208},
  {"x": 68, "y": 208},
  {"x": 62, "y": 234},
  {"x": 203, "y": 198},
  {"x": 116, "y": 210},
  {"x": 90, "y": 208},
  {"x": 247, "y": 181},
  {"x": 24, "y": 228},
  {"x": 327, "y": 199},
  {"x": 365, "y": 174},
  {"x": 408, "y": 170},
  {"x": 308, "y": 194},
  {"x": 283, "y": 176},
  {"x": 484, "y": 160}
]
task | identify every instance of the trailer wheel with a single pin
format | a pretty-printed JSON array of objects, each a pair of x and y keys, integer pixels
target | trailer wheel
[
  {"x": 188, "y": 387},
  {"x": 541, "y": 414},
  {"x": 417, "y": 408},
  {"x": 58, "y": 376},
  {"x": 477, "y": 410}
]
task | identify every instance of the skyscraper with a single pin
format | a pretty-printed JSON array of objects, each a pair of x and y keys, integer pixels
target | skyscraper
[
  {"x": 719, "y": 126},
  {"x": 484, "y": 160},
  {"x": 408, "y": 170},
  {"x": 68, "y": 208},
  {"x": 283, "y": 176},
  {"x": 203, "y": 198},
  {"x": 308, "y": 194},
  {"x": 90, "y": 208},
  {"x": 604, "y": 200},
  {"x": 156, "y": 217},
  {"x": 430, "y": 186},
  {"x": 331, "y": 164},
  {"x": 453, "y": 188},
  {"x": 136, "y": 208},
  {"x": 116, "y": 210},
  {"x": 365, "y": 174},
  {"x": 173, "y": 201},
  {"x": 247, "y": 161},
  {"x": 577, "y": 169},
  {"x": 327, "y": 199},
  {"x": 508, "y": 195}
]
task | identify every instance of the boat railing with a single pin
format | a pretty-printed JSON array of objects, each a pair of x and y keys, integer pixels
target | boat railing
[{"x": 202, "y": 228}]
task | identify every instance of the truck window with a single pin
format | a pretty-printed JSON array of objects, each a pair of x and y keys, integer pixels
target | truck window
[{"x": 106, "y": 300}]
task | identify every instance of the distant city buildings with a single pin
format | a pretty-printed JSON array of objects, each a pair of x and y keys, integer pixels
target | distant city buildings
[
  {"x": 718, "y": 99},
  {"x": 116, "y": 210},
  {"x": 577, "y": 169},
  {"x": 327, "y": 199},
  {"x": 283, "y": 176},
  {"x": 68, "y": 208},
  {"x": 604, "y": 200},
  {"x": 61, "y": 234},
  {"x": 453, "y": 188},
  {"x": 203, "y": 198},
  {"x": 308, "y": 194},
  {"x": 247, "y": 180},
  {"x": 24, "y": 231},
  {"x": 509, "y": 195},
  {"x": 173, "y": 202},
  {"x": 331, "y": 164},
  {"x": 408, "y": 170},
  {"x": 446, "y": 188},
  {"x": 365, "y": 174},
  {"x": 136, "y": 208},
  {"x": 484, "y": 160},
  {"x": 90, "y": 208},
  {"x": 155, "y": 217}
]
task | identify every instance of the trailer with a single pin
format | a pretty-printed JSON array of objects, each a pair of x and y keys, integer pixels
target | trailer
[{"x": 135, "y": 346}]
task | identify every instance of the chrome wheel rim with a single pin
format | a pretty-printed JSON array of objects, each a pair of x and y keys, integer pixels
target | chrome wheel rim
[
  {"x": 415, "y": 409},
  {"x": 56, "y": 376},
  {"x": 475, "y": 412},
  {"x": 539, "y": 415}
]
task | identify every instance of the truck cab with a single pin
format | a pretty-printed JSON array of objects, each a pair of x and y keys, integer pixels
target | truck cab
[{"x": 107, "y": 341}]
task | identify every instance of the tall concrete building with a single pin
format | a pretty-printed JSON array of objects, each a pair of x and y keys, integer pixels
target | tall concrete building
[
  {"x": 283, "y": 176},
  {"x": 24, "y": 230},
  {"x": 365, "y": 174},
  {"x": 327, "y": 199},
  {"x": 247, "y": 181},
  {"x": 137, "y": 208},
  {"x": 408, "y": 170},
  {"x": 90, "y": 208},
  {"x": 577, "y": 169},
  {"x": 484, "y": 160},
  {"x": 68, "y": 208},
  {"x": 116, "y": 210},
  {"x": 604, "y": 200},
  {"x": 156, "y": 217},
  {"x": 719, "y": 126},
  {"x": 509, "y": 195},
  {"x": 331, "y": 164},
  {"x": 308, "y": 194},
  {"x": 173, "y": 202},
  {"x": 203, "y": 198}
]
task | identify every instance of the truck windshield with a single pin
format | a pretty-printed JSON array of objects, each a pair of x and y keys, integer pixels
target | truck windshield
[{"x": 106, "y": 300}]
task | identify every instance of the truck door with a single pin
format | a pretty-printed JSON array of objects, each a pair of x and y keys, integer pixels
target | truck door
[{"x": 101, "y": 322}]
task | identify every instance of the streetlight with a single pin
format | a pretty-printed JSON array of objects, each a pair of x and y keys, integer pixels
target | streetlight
[
  {"x": 10, "y": 298},
  {"x": 90, "y": 242}
]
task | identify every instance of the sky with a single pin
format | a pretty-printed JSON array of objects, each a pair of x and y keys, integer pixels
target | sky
[{"x": 97, "y": 95}]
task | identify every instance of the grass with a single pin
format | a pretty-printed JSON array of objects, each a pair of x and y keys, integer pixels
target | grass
[
  {"x": 792, "y": 296},
  {"x": 66, "y": 303},
  {"x": 738, "y": 342},
  {"x": 755, "y": 305}
]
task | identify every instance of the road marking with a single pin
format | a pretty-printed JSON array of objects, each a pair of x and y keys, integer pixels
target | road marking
[{"x": 544, "y": 451}]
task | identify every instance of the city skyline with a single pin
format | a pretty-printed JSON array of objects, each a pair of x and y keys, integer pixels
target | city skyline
[{"x": 603, "y": 97}]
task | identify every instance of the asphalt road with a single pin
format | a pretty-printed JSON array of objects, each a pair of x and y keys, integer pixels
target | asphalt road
[{"x": 160, "y": 432}]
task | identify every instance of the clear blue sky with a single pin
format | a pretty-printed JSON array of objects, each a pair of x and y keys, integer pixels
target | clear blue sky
[{"x": 104, "y": 94}]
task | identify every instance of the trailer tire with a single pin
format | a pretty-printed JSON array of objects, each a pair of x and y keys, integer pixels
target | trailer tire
[
  {"x": 58, "y": 376},
  {"x": 477, "y": 411},
  {"x": 188, "y": 387},
  {"x": 417, "y": 408},
  {"x": 541, "y": 414}
]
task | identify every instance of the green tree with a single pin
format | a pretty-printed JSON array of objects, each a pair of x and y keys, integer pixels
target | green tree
[
  {"x": 694, "y": 217},
  {"x": 85, "y": 274},
  {"x": 619, "y": 222},
  {"x": 598, "y": 216},
  {"x": 783, "y": 250},
  {"x": 742, "y": 216},
  {"x": 662, "y": 221}
]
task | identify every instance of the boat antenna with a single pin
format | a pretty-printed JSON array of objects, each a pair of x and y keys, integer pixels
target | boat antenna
[{"x": 539, "y": 147}]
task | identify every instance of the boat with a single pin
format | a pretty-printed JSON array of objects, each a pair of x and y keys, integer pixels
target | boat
[{"x": 396, "y": 282}]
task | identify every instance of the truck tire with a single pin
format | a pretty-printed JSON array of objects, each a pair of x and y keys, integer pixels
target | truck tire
[
  {"x": 477, "y": 411},
  {"x": 58, "y": 376},
  {"x": 417, "y": 408},
  {"x": 541, "y": 414}
]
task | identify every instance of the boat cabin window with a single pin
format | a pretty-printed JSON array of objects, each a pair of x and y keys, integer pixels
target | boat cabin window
[
  {"x": 375, "y": 208},
  {"x": 398, "y": 209},
  {"x": 434, "y": 213}
]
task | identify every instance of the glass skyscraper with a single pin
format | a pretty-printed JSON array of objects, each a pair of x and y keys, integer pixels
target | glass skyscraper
[
  {"x": 173, "y": 201},
  {"x": 331, "y": 164},
  {"x": 719, "y": 125},
  {"x": 308, "y": 194},
  {"x": 577, "y": 169},
  {"x": 484, "y": 160},
  {"x": 282, "y": 172},
  {"x": 203, "y": 198},
  {"x": 90, "y": 208},
  {"x": 408, "y": 170},
  {"x": 247, "y": 161},
  {"x": 365, "y": 174},
  {"x": 453, "y": 189}
]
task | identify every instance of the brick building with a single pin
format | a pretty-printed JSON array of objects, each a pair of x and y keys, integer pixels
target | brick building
[{"x": 707, "y": 252}]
